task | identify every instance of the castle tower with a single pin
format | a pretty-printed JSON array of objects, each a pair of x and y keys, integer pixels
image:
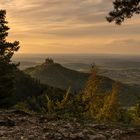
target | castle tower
[{"x": 49, "y": 61}]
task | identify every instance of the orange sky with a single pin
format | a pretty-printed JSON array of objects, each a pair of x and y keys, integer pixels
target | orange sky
[{"x": 69, "y": 26}]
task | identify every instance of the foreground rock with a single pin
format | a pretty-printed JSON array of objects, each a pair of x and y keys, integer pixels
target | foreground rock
[{"x": 18, "y": 125}]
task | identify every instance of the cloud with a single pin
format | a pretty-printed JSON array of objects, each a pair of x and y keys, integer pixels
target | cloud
[
  {"x": 126, "y": 43},
  {"x": 64, "y": 20}
]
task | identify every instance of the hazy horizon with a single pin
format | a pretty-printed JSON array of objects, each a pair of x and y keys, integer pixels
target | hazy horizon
[
  {"x": 124, "y": 68},
  {"x": 80, "y": 54}
]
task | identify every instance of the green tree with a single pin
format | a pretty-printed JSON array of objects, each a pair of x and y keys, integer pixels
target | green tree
[
  {"x": 7, "y": 68},
  {"x": 123, "y": 9},
  {"x": 7, "y": 49}
]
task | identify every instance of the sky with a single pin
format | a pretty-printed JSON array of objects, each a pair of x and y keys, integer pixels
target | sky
[{"x": 69, "y": 26}]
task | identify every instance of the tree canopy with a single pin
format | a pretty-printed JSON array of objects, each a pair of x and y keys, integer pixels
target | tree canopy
[
  {"x": 7, "y": 69},
  {"x": 123, "y": 9},
  {"x": 7, "y": 49}
]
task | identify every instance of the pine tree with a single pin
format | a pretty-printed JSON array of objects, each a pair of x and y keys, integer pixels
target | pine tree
[
  {"x": 111, "y": 110},
  {"x": 7, "y": 68},
  {"x": 92, "y": 94},
  {"x": 123, "y": 9},
  {"x": 7, "y": 49}
]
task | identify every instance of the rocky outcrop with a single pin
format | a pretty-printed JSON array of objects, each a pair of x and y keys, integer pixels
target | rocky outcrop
[{"x": 18, "y": 125}]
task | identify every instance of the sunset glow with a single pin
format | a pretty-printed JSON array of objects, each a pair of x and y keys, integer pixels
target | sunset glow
[{"x": 69, "y": 26}]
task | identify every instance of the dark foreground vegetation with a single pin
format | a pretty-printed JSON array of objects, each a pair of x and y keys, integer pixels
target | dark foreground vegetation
[{"x": 92, "y": 103}]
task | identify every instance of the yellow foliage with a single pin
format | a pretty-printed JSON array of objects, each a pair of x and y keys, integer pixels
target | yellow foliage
[
  {"x": 91, "y": 94},
  {"x": 111, "y": 110},
  {"x": 61, "y": 104},
  {"x": 50, "y": 105}
]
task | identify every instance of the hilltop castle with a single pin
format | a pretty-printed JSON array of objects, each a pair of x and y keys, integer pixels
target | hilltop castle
[{"x": 49, "y": 61}]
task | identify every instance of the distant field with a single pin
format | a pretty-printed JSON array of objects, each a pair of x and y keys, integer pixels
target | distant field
[{"x": 118, "y": 67}]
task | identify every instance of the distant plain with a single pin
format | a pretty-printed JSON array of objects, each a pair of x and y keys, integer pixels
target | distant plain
[{"x": 124, "y": 68}]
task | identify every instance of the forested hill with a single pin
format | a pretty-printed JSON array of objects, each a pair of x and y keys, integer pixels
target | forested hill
[
  {"x": 56, "y": 75},
  {"x": 26, "y": 87}
]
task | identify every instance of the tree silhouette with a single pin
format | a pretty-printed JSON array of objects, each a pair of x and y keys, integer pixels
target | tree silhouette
[
  {"x": 123, "y": 9},
  {"x": 7, "y": 49},
  {"x": 7, "y": 69}
]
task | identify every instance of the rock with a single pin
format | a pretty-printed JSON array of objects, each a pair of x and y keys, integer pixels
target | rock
[
  {"x": 107, "y": 134},
  {"x": 42, "y": 119},
  {"x": 62, "y": 130},
  {"x": 78, "y": 124},
  {"x": 30, "y": 137},
  {"x": 77, "y": 136},
  {"x": 21, "y": 137},
  {"x": 21, "y": 112},
  {"x": 73, "y": 136},
  {"x": 85, "y": 131},
  {"x": 39, "y": 127},
  {"x": 80, "y": 135},
  {"x": 97, "y": 137},
  {"x": 98, "y": 126},
  {"x": 130, "y": 131},
  {"x": 58, "y": 136},
  {"x": 2, "y": 133},
  {"x": 66, "y": 135},
  {"x": 117, "y": 132},
  {"x": 7, "y": 122},
  {"x": 68, "y": 126}
]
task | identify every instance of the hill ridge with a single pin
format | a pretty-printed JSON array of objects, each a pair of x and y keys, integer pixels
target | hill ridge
[{"x": 56, "y": 75}]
